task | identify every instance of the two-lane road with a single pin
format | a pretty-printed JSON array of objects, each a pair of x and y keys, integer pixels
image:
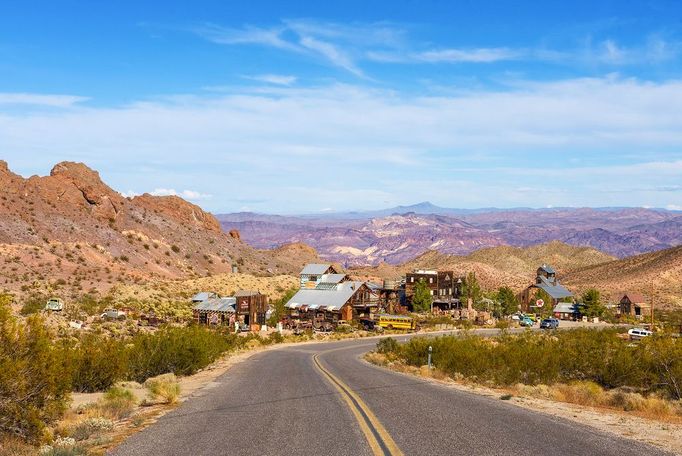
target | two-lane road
[{"x": 322, "y": 399}]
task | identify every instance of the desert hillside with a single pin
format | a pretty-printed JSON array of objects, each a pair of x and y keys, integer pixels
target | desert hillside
[
  {"x": 659, "y": 273},
  {"x": 499, "y": 266},
  {"x": 70, "y": 233}
]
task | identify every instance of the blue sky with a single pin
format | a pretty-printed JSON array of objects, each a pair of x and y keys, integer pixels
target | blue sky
[{"x": 294, "y": 107}]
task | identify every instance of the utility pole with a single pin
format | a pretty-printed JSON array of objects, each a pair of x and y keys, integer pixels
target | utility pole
[{"x": 652, "y": 305}]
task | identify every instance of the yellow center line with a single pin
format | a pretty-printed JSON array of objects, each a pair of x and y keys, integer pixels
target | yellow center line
[{"x": 379, "y": 440}]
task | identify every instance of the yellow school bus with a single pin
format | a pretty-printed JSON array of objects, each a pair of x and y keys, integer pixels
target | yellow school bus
[{"x": 388, "y": 321}]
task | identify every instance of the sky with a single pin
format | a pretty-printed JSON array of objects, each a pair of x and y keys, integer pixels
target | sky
[{"x": 305, "y": 107}]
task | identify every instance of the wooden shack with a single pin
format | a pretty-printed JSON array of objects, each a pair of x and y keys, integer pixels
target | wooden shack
[
  {"x": 445, "y": 287},
  {"x": 251, "y": 308},
  {"x": 634, "y": 305}
]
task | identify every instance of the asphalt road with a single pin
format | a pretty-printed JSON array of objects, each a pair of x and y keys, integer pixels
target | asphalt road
[{"x": 289, "y": 401}]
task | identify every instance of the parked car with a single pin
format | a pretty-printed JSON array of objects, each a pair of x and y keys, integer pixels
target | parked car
[
  {"x": 549, "y": 323},
  {"x": 526, "y": 321},
  {"x": 113, "y": 314},
  {"x": 370, "y": 325},
  {"x": 55, "y": 305},
  {"x": 638, "y": 333}
]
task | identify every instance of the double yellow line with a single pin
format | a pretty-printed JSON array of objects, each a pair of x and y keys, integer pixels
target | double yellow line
[{"x": 378, "y": 438}]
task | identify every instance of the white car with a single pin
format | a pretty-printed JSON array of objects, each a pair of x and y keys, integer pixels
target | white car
[{"x": 638, "y": 333}]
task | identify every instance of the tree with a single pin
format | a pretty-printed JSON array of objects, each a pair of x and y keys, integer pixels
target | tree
[
  {"x": 278, "y": 307},
  {"x": 422, "y": 298},
  {"x": 508, "y": 300},
  {"x": 591, "y": 305},
  {"x": 471, "y": 288}
]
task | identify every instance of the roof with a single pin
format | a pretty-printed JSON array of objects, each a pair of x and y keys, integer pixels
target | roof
[
  {"x": 547, "y": 268},
  {"x": 217, "y": 305},
  {"x": 316, "y": 268},
  {"x": 556, "y": 291},
  {"x": 332, "y": 278},
  {"x": 332, "y": 299},
  {"x": 244, "y": 293},
  {"x": 203, "y": 296},
  {"x": 634, "y": 297},
  {"x": 566, "y": 307}
]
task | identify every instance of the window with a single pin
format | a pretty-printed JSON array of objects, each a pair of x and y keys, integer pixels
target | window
[
  {"x": 412, "y": 279},
  {"x": 430, "y": 279}
]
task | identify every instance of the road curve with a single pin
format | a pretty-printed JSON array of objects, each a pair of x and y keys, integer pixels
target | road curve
[{"x": 281, "y": 402}]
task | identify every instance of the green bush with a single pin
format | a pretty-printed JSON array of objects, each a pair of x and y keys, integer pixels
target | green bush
[
  {"x": 583, "y": 355},
  {"x": 387, "y": 345},
  {"x": 34, "y": 381}
]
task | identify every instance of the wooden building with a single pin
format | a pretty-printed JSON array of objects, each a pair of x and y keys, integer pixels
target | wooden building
[
  {"x": 312, "y": 274},
  {"x": 445, "y": 288},
  {"x": 545, "y": 280},
  {"x": 347, "y": 300},
  {"x": 634, "y": 305},
  {"x": 209, "y": 309},
  {"x": 251, "y": 307}
]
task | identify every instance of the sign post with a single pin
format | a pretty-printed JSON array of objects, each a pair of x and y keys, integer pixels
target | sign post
[{"x": 430, "y": 350}]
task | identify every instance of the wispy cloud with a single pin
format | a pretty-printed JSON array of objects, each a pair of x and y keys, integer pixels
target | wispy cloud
[
  {"x": 187, "y": 194},
  {"x": 277, "y": 79},
  {"x": 38, "y": 99}
]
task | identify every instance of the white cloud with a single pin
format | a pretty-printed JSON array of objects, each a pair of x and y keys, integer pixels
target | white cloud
[
  {"x": 342, "y": 145},
  {"x": 674, "y": 207},
  {"x": 278, "y": 79},
  {"x": 186, "y": 194},
  {"x": 480, "y": 55},
  {"x": 37, "y": 99}
]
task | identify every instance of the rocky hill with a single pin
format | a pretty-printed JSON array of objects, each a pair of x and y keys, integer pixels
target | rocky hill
[{"x": 70, "y": 230}]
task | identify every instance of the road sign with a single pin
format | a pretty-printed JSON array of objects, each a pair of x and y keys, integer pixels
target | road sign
[{"x": 539, "y": 303}]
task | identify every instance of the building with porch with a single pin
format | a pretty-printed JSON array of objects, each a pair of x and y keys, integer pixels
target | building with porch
[{"x": 444, "y": 286}]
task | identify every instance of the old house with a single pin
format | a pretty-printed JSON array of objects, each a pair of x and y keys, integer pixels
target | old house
[
  {"x": 333, "y": 299},
  {"x": 545, "y": 280},
  {"x": 633, "y": 304},
  {"x": 445, "y": 288},
  {"x": 312, "y": 274},
  {"x": 251, "y": 307},
  {"x": 210, "y": 309}
]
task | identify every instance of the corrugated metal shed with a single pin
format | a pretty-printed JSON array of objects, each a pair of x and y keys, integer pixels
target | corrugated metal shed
[
  {"x": 332, "y": 299},
  {"x": 203, "y": 296},
  {"x": 566, "y": 307},
  {"x": 217, "y": 305},
  {"x": 315, "y": 268},
  {"x": 332, "y": 278}
]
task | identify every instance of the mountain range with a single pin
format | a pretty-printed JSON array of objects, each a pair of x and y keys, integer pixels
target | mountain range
[{"x": 399, "y": 234}]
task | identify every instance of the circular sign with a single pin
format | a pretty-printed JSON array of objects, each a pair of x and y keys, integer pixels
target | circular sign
[{"x": 539, "y": 303}]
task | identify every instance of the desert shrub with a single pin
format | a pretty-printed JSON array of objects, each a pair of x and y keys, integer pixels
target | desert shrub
[
  {"x": 33, "y": 304},
  {"x": 182, "y": 351},
  {"x": 503, "y": 324},
  {"x": 164, "y": 388},
  {"x": 276, "y": 338},
  {"x": 387, "y": 345},
  {"x": 98, "y": 362},
  {"x": 34, "y": 382},
  {"x": 117, "y": 403},
  {"x": 90, "y": 427},
  {"x": 585, "y": 359},
  {"x": 12, "y": 446}
]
